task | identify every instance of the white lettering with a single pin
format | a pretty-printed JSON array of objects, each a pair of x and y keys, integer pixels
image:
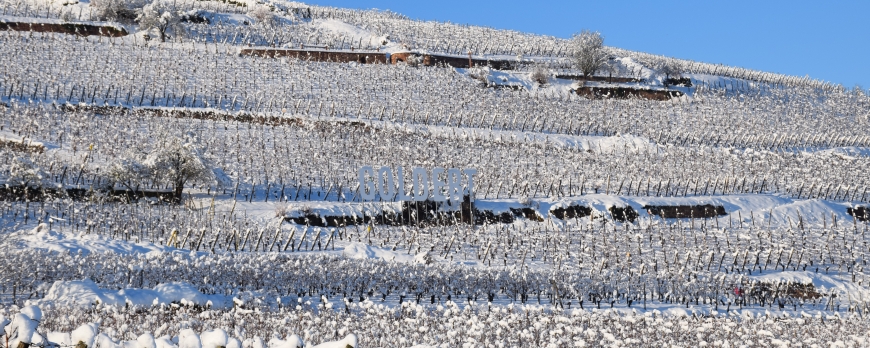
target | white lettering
[
  {"x": 439, "y": 182},
  {"x": 454, "y": 185},
  {"x": 421, "y": 184},
  {"x": 469, "y": 188},
  {"x": 440, "y": 186},
  {"x": 366, "y": 186},
  {"x": 386, "y": 185},
  {"x": 400, "y": 182}
]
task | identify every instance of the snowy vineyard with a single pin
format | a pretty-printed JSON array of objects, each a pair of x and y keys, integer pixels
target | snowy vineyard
[
  {"x": 311, "y": 158},
  {"x": 294, "y": 24},
  {"x": 130, "y": 73},
  {"x": 162, "y": 190},
  {"x": 775, "y": 280},
  {"x": 411, "y": 325}
]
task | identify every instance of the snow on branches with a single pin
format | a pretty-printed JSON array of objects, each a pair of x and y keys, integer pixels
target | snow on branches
[
  {"x": 263, "y": 15},
  {"x": 117, "y": 10},
  {"x": 25, "y": 173},
  {"x": 589, "y": 52},
  {"x": 178, "y": 161},
  {"x": 173, "y": 160},
  {"x": 160, "y": 17}
]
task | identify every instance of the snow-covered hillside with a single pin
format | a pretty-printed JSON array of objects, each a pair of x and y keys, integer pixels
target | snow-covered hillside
[{"x": 192, "y": 179}]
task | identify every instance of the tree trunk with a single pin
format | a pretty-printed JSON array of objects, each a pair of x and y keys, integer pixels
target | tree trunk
[{"x": 179, "y": 187}]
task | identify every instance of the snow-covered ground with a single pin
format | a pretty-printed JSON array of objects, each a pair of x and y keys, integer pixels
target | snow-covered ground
[
  {"x": 784, "y": 157},
  {"x": 417, "y": 326}
]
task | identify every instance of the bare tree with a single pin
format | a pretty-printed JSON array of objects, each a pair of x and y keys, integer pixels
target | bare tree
[
  {"x": 589, "y": 52},
  {"x": 671, "y": 69},
  {"x": 128, "y": 171},
  {"x": 23, "y": 172},
  {"x": 263, "y": 15},
  {"x": 117, "y": 10},
  {"x": 159, "y": 16},
  {"x": 673, "y": 72},
  {"x": 179, "y": 162}
]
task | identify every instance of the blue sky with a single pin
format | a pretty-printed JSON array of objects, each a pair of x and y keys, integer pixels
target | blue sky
[{"x": 827, "y": 40}]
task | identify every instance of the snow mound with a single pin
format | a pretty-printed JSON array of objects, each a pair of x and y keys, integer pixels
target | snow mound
[
  {"x": 348, "y": 341},
  {"x": 23, "y": 327},
  {"x": 187, "y": 338},
  {"x": 362, "y": 251},
  {"x": 293, "y": 341},
  {"x": 166, "y": 342},
  {"x": 33, "y": 312},
  {"x": 41, "y": 238},
  {"x": 86, "y": 334},
  {"x": 86, "y": 292},
  {"x": 355, "y": 34},
  {"x": 214, "y": 338},
  {"x": 146, "y": 341}
]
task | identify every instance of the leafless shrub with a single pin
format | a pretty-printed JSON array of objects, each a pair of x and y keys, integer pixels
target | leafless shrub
[
  {"x": 67, "y": 16},
  {"x": 540, "y": 75},
  {"x": 281, "y": 210},
  {"x": 263, "y": 15},
  {"x": 479, "y": 73},
  {"x": 414, "y": 60},
  {"x": 115, "y": 10},
  {"x": 160, "y": 17},
  {"x": 525, "y": 201},
  {"x": 306, "y": 210}
]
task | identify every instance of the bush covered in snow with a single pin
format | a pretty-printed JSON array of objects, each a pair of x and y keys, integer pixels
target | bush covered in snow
[
  {"x": 442, "y": 326},
  {"x": 589, "y": 52},
  {"x": 160, "y": 17},
  {"x": 540, "y": 75}
]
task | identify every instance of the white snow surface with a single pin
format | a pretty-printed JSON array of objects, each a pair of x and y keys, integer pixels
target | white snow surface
[
  {"x": 356, "y": 34},
  {"x": 214, "y": 338},
  {"x": 60, "y": 338},
  {"x": 86, "y": 333},
  {"x": 71, "y": 242},
  {"x": 166, "y": 342},
  {"x": 355, "y": 250},
  {"x": 7, "y": 136},
  {"x": 188, "y": 338},
  {"x": 349, "y": 340},
  {"x": 146, "y": 340},
  {"x": 86, "y": 292},
  {"x": 293, "y": 341}
]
